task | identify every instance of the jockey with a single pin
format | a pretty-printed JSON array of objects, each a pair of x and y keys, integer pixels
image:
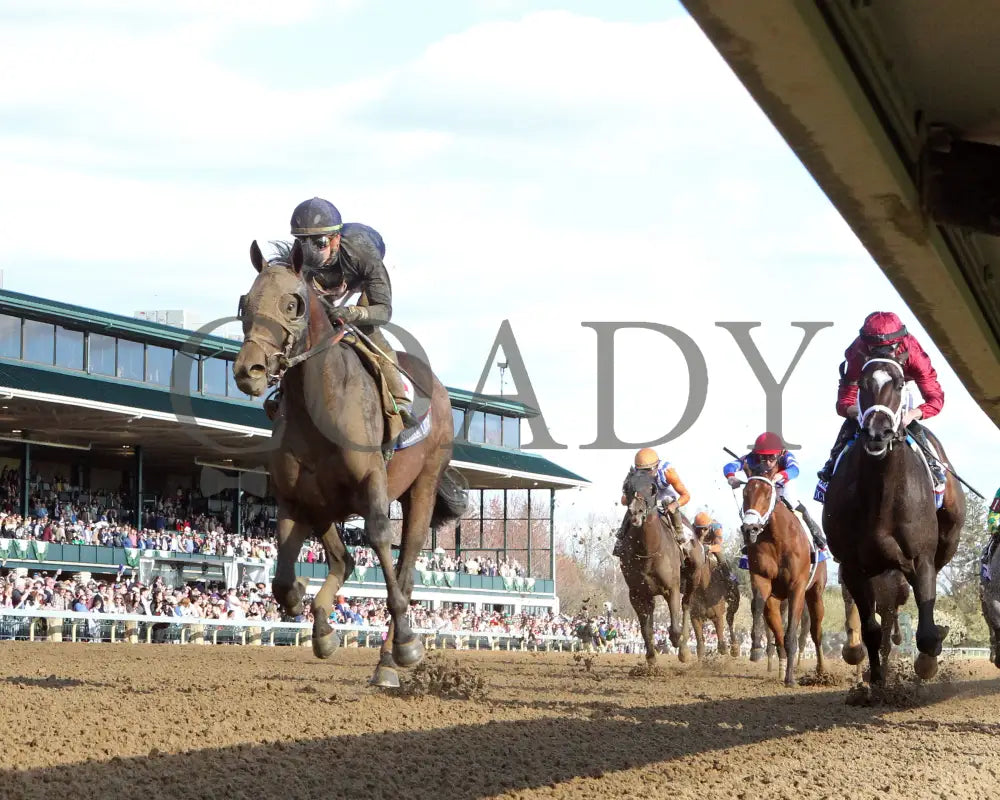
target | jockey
[
  {"x": 993, "y": 529},
  {"x": 769, "y": 454},
  {"x": 671, "y": 494},
  {"x": 343, "y": 259},
  {"x": 884, "y": 335},
  {"x": 709, "y": 532}
]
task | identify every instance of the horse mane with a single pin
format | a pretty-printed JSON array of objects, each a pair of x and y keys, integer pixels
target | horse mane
[{"x": 282, "y": 252}]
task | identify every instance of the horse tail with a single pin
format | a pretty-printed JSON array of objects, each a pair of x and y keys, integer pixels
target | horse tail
[{"x": 452, "y": 498}]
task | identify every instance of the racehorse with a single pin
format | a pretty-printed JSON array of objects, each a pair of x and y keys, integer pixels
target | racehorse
[
  {"x": 651, "y": 563},
  {"x": 326, "y": 460},
  {"x": 880, "y": 514},
  {"x": 780, "y": 569},
  {"x": 712, "y": 597},
  {"x": 989, "y": 596},
  {"x": 890, "y": 591}
]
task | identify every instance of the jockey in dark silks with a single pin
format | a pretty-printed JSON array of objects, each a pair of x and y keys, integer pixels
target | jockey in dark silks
[
  {"x": 993, "y": 529},
  {"x": 345, "y": 258}
]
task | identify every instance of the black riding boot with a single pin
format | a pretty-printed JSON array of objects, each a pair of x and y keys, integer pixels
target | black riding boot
[
  {"x": 619, "y": 537},
  {"x": 916, "y": 430},
  {"x": 814, "y": 529},
  {"x": 847, "y": 431}
]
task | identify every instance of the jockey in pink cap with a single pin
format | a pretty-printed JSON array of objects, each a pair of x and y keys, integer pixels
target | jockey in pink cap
[{"x": 883, "y": 334}]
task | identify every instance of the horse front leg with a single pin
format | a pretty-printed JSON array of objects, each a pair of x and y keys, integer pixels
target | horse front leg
[
  {"x": 814, "y": 600},
  {"x": 853, "y": 651},
  {"x": 757, "y": 630},
  {"x": 772, "y": 613},
  {"x": 732, "y": 606},
  {"x": 642, "y": 602},
  {"x": 929, "y": 636},
  {"x": 871, "y": 632},
  {"x": 288, "y": 590},
  {"x": 340, "y": 564},
  {"x": 698, "y": 625}
]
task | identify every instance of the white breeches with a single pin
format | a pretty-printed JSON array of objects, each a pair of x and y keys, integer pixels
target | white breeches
[{"x": 789, "y": 493}]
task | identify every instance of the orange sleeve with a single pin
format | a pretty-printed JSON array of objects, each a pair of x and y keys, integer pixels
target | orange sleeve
[{"x": 678, "y": 484}]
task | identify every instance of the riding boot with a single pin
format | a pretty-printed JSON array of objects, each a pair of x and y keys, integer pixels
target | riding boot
[
  {"x": 847, "y": 431},
  {"x": 271, "y": 406},
  {"x": 397, "y": 388},
  {"x": 987, "y": 556},
  {"x": 916, "y": 430},
  {"x": 818, "y": 538}
]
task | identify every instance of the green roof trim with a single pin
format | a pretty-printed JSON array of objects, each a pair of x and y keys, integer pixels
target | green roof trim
[
  {"x": 78, "y": 317},
  {"x": 514, "y": 460}
]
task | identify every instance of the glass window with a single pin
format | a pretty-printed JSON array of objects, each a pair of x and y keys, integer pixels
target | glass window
[
  {"x": 158, "y": 363},
  {"x": 130, "y": 364},
  {"x": 39, "y": 341},
  {"x": 185, "y": 374},
  {"x": 493, "y": 429},
  {"x": 477, "y": 426},
  {"x": 10, "y": 336},
  {"x": 215, "y": 376},
  {"x": 102, "y": 354},
  {"x": 69, "y": 348},
  {"x": 458, "y": 420},
  {"x": 511, "y": 432}
]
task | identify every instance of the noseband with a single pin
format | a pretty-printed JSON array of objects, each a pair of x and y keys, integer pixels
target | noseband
[{"x": 753, "y": 516}]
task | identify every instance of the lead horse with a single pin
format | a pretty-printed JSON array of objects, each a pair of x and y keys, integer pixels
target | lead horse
[
  {"x": 326, "y": 460},
  {"x": 880, "y": 515}
]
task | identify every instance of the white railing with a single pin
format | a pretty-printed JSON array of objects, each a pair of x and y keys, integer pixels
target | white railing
[{"x": 76, "y": 626}]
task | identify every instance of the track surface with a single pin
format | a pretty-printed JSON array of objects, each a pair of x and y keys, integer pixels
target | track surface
[{"x": 161, "y": 721}]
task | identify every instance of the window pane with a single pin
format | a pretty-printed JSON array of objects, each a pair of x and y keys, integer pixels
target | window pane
[
  {"x": 185, "y": 374},
  {"x": 477, "y": 426},
  {"x": 130, "y": 360},
  {"x": 493, "y": 429},
  {"x": 10, "y": 336},
  {"x": 215, "y": 376},
  {"x": 511, "y": 432},
  {"x": 39, "y": 341},
  {"x": 69, "y": 348},
  {"x": 458, "y": 420},
  {"x": 158, "y": 363},
  {"x": 102, "y": 354}
]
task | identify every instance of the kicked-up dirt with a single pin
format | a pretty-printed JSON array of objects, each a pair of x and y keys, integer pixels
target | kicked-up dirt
[{"x": 162, "y": 721}]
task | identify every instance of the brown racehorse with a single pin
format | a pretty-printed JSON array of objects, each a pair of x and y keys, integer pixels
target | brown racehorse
[
  {"x": 780, "y": 569},
  {"x": 714, "y": 598},
  {"x": 651, "y": 563},
  {"x": 326, "y": 459},
  {"x": 880, "y": 515}
]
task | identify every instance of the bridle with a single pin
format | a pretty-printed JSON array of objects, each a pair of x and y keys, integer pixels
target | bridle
[
  {"x": 752, "y": 517},
  {"x": 895, "y": 415},
  {"x": 647, "y": 508}
]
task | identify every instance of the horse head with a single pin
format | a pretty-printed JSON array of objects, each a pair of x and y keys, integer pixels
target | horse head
[
  {"x": 275, "y": 317},
  {"x": 640, "y": 492},
  {"x": 880, "y": 405},
  {"x": 759, "y": 496}
]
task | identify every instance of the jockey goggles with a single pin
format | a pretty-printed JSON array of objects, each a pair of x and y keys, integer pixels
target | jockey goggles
[{"x": 318, "y": 240}]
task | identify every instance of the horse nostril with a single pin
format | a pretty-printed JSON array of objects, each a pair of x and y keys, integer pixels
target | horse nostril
[{"x": 257, "y": 371}]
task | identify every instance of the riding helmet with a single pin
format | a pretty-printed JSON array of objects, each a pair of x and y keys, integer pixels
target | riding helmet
[{"x": 315, "y": 217}]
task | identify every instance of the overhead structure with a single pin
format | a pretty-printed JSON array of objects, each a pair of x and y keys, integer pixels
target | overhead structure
[{"x": 891, "y": 107}]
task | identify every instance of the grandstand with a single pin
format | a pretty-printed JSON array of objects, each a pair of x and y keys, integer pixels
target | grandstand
[{"x": 122, "y": 412}]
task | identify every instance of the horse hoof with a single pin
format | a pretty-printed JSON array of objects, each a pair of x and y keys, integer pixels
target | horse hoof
[
  {"x": 791, "y": 682},
  {"x": 925, "y": 666},
  {"x": 853, "y": 654},
  {"x": 408, "y": 654},
  {"x": 683, "y": 656},
  {"x": 734, "y": 651},
  {"x": 324, "y": 645},
  {"x": 756, "y": 654},
  {"x": 386, "y": 677}
]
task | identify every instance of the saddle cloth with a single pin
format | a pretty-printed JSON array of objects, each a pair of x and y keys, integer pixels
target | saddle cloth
[
  {"x": 393, "y": 429},
  {"x": 820, "y": 494}
]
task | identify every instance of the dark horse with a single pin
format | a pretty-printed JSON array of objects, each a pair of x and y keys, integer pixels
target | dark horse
[
  {"x": 780, "y": 569},
  {"x": 651, "y": 563},
  {"x": 890, "y": 592},
  {"x": 326, "y": 459},
  {"x": 880, "y": 515}
]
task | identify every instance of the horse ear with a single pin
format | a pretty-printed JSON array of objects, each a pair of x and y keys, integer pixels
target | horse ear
[
  {"x": 257, "y": 257},
  {"x": 297, "y": 258}
]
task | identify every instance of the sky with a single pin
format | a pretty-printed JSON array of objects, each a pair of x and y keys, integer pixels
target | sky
[{"x": 538, "y": 163}]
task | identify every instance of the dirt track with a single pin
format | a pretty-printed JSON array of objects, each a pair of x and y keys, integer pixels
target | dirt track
[{"x": 152, "y": 721}]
